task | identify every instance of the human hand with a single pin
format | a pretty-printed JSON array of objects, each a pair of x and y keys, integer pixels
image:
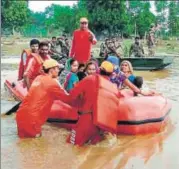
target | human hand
[
  {"x": 91, "y": 37},
  {"x": 150, "y": 93}
]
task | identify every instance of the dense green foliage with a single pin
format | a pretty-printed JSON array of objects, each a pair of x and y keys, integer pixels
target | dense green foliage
[
  {"x": 15, "y": 14},
  {"x": 112, "y": 17}
]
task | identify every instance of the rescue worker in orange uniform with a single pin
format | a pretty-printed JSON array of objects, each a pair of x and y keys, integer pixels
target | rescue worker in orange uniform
[
  {"x": 25, "y": 57},
  {"x": 85, "y": 130},
  {"x": 34, "y": 67},
  {"x": 82, "y": 41},
  {"x": 36, "y": 106}
]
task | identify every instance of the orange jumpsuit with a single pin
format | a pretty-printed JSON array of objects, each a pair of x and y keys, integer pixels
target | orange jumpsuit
[
  {"x": 25, "y": 57},
  {"x": 85, "y": 130},
  {"x": 34, "y": 67},
  {"x": 81, "y": 46},
  {"x": 35, "y": 109}
]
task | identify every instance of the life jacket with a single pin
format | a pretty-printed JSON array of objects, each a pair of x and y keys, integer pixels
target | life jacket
[
  {"x": 22, "y": 66},
  {"x": 106, "y": 104},
  {"x": 35, "y": 67}
]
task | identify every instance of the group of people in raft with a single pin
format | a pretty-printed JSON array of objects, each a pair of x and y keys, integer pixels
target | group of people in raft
[{"x": 40, "y": 74}]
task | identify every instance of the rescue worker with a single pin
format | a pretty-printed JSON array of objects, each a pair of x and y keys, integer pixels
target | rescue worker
[
  {"x": 34, "y": 67},
  {"x": 26, "y": 55},
  {"x": 136, "y": 48},
  {"x": 82, "y": 41},
  {"x": 35, "y": 108},
  {"x": 85, "y": 130},
  {"x": 151, "y": 40}
]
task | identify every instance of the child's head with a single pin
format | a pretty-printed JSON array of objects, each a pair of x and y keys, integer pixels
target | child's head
[
  {"x": 74, "y": 65},
  {"x": 81, "y": 75},
  {"x": 91, "y": 68},
  {"x": 81, "y": 68}
]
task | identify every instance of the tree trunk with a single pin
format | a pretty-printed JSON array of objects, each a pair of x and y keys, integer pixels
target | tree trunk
[{"x": 13, "y": 31}]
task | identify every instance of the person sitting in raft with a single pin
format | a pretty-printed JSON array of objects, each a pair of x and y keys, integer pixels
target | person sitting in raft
[
  {"x": 96, "y": 63},
  {"x": 85, "y": 131},
  {"x": 81, "y": 74},
  {"x": 35, "y": 108},
  {"x": 34, "y": 67},
  {"x": 25, "y": 57},
  {"x": 127, "y": 69},
  {"x": 120, "y": 79},
  {"x": 90, "y": 69},
  {"x": 72, "y": 77},
  {"x": 81, "y": 67}
]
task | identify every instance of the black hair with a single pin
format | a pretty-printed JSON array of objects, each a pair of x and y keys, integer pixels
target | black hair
[
  {"x": 34, "y": 41},
  {"x": 43, "y": 44},
  {"x": 81, "y": 65},
  {"x": 54, "y": 37},
  {"x": 137, "y": 37},
  {"x": 81, "y": 75},
  {"x": 46, "y": 70},
  {"x": 104, "y": 73},
  {"x": 72, "y": 61},
  {"x": 66, "y": 39}
]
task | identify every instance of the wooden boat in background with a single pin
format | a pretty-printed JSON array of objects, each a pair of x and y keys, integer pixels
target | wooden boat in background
[{"x": 147, "y": 63}]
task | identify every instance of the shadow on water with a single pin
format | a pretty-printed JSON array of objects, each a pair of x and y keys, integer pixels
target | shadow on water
[{"x": 115, "y": 152}]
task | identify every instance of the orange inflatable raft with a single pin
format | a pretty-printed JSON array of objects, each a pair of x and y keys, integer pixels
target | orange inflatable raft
[
  {"x": 121, "y": 113},
  {"x": 142, "y": 115},
  {"x": 63, "y": 114}
]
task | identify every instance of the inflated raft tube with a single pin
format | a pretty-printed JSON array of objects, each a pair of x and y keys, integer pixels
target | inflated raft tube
[
  {"x": 16, "y": 88},
  {"x": 62, "y": 114},
  {"x": 120, "y": 113},
  {"x": 142, "y": 115}
]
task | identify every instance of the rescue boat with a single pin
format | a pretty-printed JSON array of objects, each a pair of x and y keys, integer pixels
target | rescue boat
[
  {"x": 121, "y": 112},
  {"x": 142, "y": 115},
  {"x": 65, "y": 115}
]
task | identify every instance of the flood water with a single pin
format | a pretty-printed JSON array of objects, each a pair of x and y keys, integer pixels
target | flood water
[{"x": 115, "y": 152}]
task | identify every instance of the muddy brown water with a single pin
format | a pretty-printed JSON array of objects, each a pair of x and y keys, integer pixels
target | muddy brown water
[{"x": 115, "y": 152}]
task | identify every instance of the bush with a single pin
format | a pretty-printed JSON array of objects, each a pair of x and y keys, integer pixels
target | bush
[{"x": 166, "y": 38}]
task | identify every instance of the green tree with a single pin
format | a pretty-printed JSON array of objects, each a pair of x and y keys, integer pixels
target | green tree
[
  {"x": 142, "y": 17},
  {"x": 173, "y": 19},
  {"x": 35, "y": 25},
  {"x": 161, "y": 7},
  {"x": 59, "y": 17},
  {"x": 110, "y": 16},
  {"x": 15, "y": 14}
]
